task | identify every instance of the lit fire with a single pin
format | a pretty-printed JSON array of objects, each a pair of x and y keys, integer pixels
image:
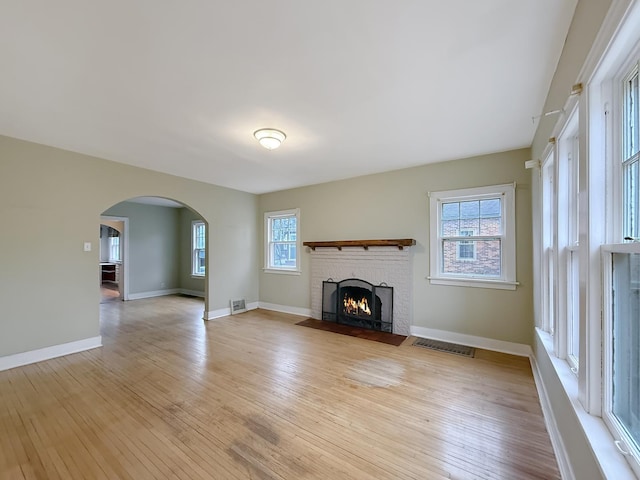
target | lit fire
[{"x": 356, "y": 307}]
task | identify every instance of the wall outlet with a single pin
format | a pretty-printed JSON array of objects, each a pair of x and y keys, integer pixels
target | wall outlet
[
  {"x": 162, "y": 284},
  {"x": 87, "y": 246}
]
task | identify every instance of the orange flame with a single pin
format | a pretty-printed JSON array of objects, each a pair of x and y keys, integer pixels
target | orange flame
[{"x": 356, "y": 307}]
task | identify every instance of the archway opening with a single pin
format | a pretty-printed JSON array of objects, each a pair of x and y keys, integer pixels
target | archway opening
[{"x": 160, "y": 249}]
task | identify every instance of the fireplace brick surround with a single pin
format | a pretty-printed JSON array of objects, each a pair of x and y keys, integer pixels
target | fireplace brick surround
[{"x": 375, "y": 265}]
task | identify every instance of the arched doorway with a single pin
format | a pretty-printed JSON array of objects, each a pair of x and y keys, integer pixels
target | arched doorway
[{"x": 163, "y": 248}]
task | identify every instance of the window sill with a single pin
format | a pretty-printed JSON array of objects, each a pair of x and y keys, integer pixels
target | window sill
[
  {"x": 473, "y": 282},
  {"x": 201, "y": 277},
  {"x": 612, "y": 464},
  {"x": 281, "y": 272}
]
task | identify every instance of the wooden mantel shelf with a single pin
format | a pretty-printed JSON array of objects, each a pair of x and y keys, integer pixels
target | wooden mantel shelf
[{"x": 400, "y": 243}]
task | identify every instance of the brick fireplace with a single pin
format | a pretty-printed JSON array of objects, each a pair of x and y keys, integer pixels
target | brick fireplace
[{"x": 377, "y": 265}]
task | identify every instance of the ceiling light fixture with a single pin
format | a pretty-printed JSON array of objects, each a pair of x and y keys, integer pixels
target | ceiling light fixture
[{"x": 269, "y": 138}]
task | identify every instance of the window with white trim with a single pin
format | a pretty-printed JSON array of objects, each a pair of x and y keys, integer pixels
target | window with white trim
[
  {"x": 198, "y": 248},
  {"x": 114, "y": 249},
  {"x": 621, "y": 266},
  {"x": 548, "y": 237},
  {"x": 473, "y": 237},
  {"x": 567, "y": 343},
  {"x": 282, "y": 241},
  {"x": 597, "y": 317}
]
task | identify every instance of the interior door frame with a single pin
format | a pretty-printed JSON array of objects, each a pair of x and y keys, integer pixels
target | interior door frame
[{"x": 123, "y": 285}]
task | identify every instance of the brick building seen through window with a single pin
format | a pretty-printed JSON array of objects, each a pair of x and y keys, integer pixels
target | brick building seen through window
[{"x": 476, "y": 256}]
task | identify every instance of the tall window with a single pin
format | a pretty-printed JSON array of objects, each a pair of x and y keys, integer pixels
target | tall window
[
  {"x": 282, "y": 241},
  {"x": 198, "y": 242},
  {"x": 114, "y": 249},
  {"x": 622, "y": 292},
  {"x": 567, "y": 342},
  {"x": 473, "y": 237},
  {"x": 548, "y": 235}
]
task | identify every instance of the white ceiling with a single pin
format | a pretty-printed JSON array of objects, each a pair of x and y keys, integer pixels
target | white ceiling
[{"x": 359, "y": 86}]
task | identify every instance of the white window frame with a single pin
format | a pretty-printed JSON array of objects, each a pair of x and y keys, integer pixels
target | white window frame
[
  {"x": 566, "y": 242},
  {"x": 614, "y": 96},
  {"x": 548, "y": 224},
  {"x": 268, "y": 264},
  {"x": 599, "y": 232},
  {"x": 507, "y": 280},
  {"x": 194, "y": 251},
  {"x": 622, "y": 440}
]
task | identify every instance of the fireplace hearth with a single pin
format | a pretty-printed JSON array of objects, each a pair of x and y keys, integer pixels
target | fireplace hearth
[{"x": 358, "y": 303}]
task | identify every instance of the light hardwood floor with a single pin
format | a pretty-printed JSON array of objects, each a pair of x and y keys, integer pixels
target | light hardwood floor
[{"x": 254, "y": 396}]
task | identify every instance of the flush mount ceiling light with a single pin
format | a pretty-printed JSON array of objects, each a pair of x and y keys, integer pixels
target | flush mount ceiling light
[{"x": 269, "y": 138}]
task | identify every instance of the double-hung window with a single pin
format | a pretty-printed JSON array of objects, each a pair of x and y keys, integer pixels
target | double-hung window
[
  {"x": 567, "y": 340},
  {"x": 282, "y": 248},
  {"x": 621, "y": 265},
  {"x": 198, "y": 248},
  {"x": 473, "y": 237}
]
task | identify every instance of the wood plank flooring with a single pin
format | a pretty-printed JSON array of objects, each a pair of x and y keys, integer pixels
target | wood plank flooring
[{"x": 254, "y": 396}]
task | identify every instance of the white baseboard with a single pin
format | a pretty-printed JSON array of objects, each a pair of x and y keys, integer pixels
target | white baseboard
[
  {"x": 213, "y": 314},
  {"x": 193, "y": 293},
  {"x": 154, "y": 293},
  {"x": 564, "y": 465},
  {"x": 253, "y": 305},
  {"x": 33, "y": 356},
  {"x": 167, "y": 291},
  {"x": 519, "y": 349},
  {"x": 303, "y": 312},
  {"x": 223, "y": 312}
]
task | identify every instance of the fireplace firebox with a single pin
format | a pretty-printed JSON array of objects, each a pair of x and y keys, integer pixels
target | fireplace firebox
[{"x": 358, "y": 303}]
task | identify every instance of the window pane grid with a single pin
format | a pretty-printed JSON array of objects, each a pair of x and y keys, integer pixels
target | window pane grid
[
  {"x": 472, "y": 237},
  {"x": 471, "y": 234},
  {"x": 281, "y": 240},
  {"x": 198, "y": 262}
]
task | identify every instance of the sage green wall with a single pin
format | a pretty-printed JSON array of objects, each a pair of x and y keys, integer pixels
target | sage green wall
[
  {"x": 50, "y": 204},
  {"x": 187, "y": 282},
  {"x": 395, "y": 205},
  {"x": 154, "y": 245}
]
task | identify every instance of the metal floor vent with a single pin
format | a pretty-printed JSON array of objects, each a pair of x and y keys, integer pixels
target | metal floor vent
[
  {"x": 238, "y": 306},
  {"x": 445, "y": 347}
]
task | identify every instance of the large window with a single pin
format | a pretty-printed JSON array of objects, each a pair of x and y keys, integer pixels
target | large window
[
  {"x": 548, "y": 225},
  {"x": 592, "y": 195},
  {"x": 567, "y": 341},
  {"x": 621, "y": 265},
  {"x": 473, "y": 237},
  {"x": 198, "y": 244},
  {"x": 282, "y": 241}
]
